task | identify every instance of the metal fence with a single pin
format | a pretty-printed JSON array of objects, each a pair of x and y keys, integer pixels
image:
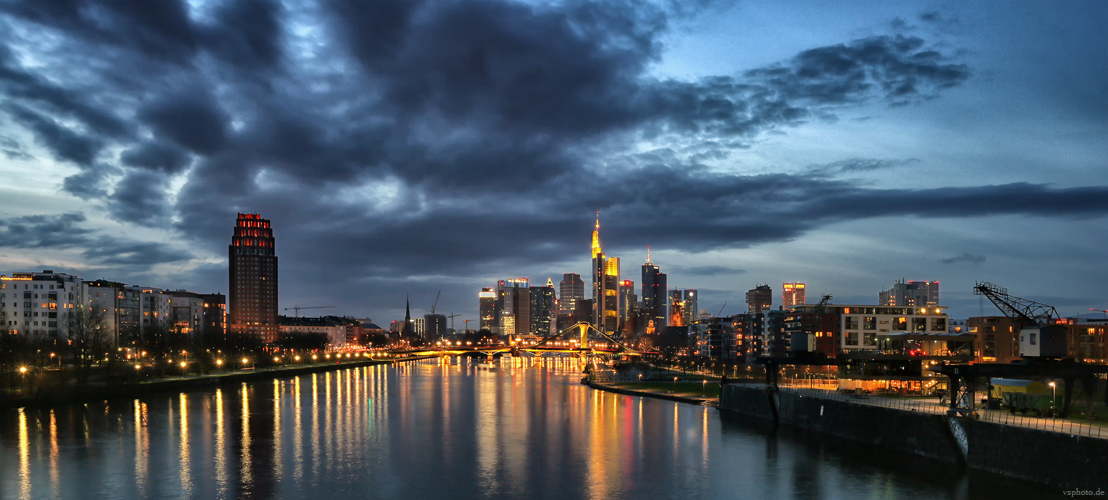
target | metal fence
[{"x": 931, "y": 406}]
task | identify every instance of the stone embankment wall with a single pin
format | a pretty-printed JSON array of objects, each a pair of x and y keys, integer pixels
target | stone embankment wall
[{"x": 1045, "y": 457}]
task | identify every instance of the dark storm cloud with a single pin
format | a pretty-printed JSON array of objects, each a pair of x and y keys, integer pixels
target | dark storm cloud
[
  {"x": 92, "y": 182},
  {"x": 13, "y": 149},
  {"x": 246, "y": 33},
  {"x": 902, "y": 69},
  {"x": 854, "y": 165},
  {"x": 62, "y": 141},
  {"x": 158, "y": 29},
  {"x": 140, "y": 198},
  {"x": 972, "y": 258},
  {"x": 482, "y": 134},
  {"x": 113, "y": 251},
  {"x": 190, "y": 117},
  {"x": 158, "y": 157},
  {"x": 44, "y": 231},
  {"x": 66, "y": 231}
]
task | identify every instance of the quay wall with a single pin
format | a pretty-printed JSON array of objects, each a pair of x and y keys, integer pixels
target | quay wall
[
  {"x": 77, "y": 394},
  {"x": 1045, "y": 457}
]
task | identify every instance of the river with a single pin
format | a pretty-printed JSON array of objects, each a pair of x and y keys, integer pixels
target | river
[{"x": 443, "y": 428}]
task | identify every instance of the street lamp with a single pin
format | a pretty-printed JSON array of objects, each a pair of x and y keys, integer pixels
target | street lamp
[
  {"x": 675, "y": 384},
  {"x": 1053, "y": 401}
]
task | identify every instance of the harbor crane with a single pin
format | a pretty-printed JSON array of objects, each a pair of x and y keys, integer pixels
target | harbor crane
[
  {"x": 297, "y": 309},
  {"x": 1029, "y": 312}
]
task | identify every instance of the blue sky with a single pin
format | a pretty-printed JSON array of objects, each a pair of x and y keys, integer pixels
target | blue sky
[{"x": 406, "y": 147}]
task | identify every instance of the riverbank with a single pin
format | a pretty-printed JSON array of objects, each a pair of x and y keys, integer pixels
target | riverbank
[
  {"x": 85, "y": 394},
  {"x": 1049, "y": 458},
  {"x": 692, "y": 398}
]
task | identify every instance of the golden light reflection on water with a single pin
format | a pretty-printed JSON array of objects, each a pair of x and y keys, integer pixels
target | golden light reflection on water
[
  {"x": 297, "y": 433},
  {"x": 246, "y": 473},
  {"x": 141, "y": 447},
  {"x": 278, "y": 468},
  {"x": 220, "y": 446},
  {"x": 183, "y": 450},
  {"x": 24, "y": 457},
  {"x": 55, "y": 480},
  {"x": 315, "y": 425},
  {"x": 704, "y": 437}
]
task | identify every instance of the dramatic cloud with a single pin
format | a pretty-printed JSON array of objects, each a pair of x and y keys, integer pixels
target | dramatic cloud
[
  {"x": 44, "y": 231},
  {"x": 430, "y": 139},
  {"x": 112, "y": 251}
]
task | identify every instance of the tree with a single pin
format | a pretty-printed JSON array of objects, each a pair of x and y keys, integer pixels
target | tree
[{"x": 84, "y": 329}]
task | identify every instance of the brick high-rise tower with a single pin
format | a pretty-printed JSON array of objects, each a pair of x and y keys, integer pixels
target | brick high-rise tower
[{"x": 253, "y": 275}]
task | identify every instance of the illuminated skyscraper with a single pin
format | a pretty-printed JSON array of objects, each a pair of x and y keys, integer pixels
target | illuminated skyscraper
[
  {"x": 692, "y": 314},
  {"x": 542, "y": 308},
  {"x": 911, "y": 294},
  {"x": 792, "y": 294},
  {"x": 676, "y": 308},
  {"x": 252, "y": 264},
  {"x": 487, "y": 303},
  {"x": 627, "y": 303},
  {"x": 605, "y": 286},
  {"x": 572, "y": 292},
  {"x": 654, "y": 296},
  {"x": 513, "y": 306},
  {"x": 759, "y": 299}
]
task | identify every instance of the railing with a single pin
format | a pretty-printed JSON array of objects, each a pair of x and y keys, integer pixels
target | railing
[
  {"x": 1062, "y": 425},
  {"x": 930, "y": 406}
]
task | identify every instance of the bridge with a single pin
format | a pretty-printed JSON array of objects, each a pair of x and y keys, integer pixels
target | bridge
[{"x": 579, "y": 345}]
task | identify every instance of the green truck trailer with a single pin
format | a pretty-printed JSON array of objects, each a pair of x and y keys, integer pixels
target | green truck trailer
[{"x": 1041, "y": 404}]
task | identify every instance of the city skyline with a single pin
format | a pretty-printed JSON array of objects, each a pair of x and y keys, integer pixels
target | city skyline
[{"x": 845, "y": 147}]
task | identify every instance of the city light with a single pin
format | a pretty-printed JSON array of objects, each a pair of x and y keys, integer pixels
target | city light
[{"x": 23, "y": 369}]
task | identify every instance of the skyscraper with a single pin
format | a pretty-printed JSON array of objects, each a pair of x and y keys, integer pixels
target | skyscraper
[
  {"x": 513, "y": 306},
  {"x": 572, "y": 292},
  {"x": 692, "y": 314},
  {"x": 252, "y": 267},
  {"x": 605, "y": 286},
  {"x": 487, "y": 303},
  {"x": 542, "y": 308},
  {"x": 627, "y": 304},
  {"x": 759, "y": 299},
  {"x": 911, "y": 294},
  {"x": 654, "y": 296},
  {"x": 676, "y": 308},
  {"x": 792, "y": 294}
]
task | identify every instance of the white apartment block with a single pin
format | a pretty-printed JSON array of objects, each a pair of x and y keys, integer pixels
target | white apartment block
[
  {"x": 40, "y": 304},
  {"x": 861, "y": 324}
]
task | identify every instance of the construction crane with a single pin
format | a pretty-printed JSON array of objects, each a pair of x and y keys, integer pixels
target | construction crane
[
  {"x": 810, "y": 323},
  {"x": 466, "y": 323},
  {"x": 1029, "y": 312},
  {"x": 452, "y": 316},
  {"x": 436, "y": 304},
  {"x": 297, "y": 309}
]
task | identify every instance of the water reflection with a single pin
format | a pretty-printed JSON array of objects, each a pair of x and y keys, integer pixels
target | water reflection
[{"x": 458, "y": 428}]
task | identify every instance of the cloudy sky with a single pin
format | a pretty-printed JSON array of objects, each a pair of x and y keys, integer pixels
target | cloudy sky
[{"x": 410, "y": 146}]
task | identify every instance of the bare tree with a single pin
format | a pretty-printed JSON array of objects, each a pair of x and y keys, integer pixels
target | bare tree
[{"x": 85, "y": 331}]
